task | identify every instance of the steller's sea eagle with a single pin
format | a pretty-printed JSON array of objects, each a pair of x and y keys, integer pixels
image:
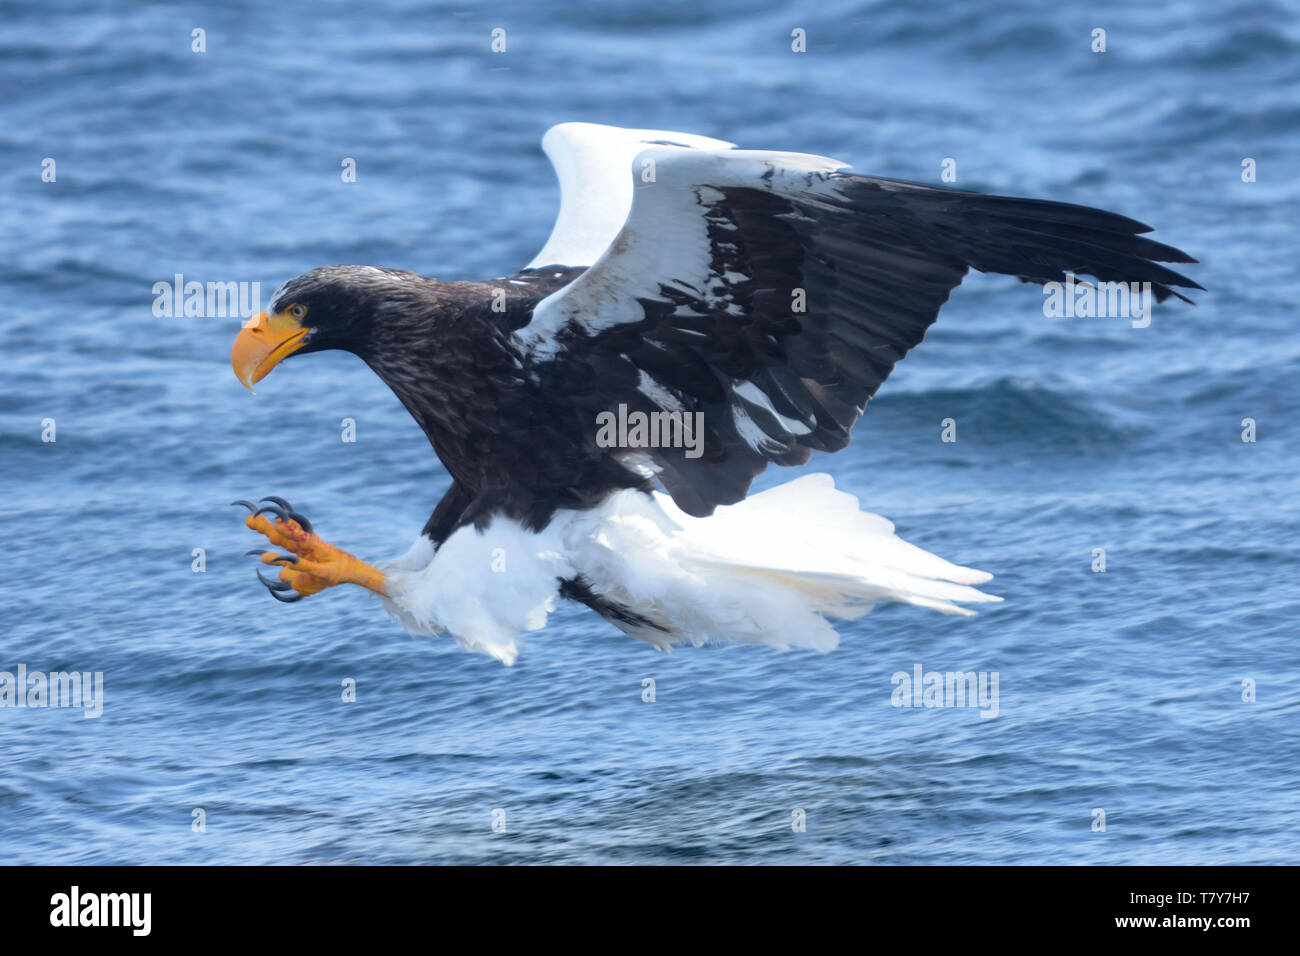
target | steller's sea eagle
[{"x": 698, "y": 312}]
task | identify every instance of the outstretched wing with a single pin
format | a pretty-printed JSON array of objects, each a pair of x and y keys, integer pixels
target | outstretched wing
[{"x": 773, "y": 293}]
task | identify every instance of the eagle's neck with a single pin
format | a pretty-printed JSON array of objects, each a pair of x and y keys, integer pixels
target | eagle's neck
[{"x": 446, "y": 355}]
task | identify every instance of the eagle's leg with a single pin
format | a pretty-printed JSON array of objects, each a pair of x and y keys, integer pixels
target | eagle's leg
[{"x": 312, "y": 565}]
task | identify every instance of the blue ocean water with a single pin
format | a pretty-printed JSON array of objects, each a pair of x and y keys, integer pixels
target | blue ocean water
[{"x": 1120, "y": 691}]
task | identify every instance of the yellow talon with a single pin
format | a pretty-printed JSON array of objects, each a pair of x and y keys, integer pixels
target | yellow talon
[{"x": 320, "y": 565}]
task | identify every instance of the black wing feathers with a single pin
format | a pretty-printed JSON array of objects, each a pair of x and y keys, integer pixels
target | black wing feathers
[{"x": 813, "y": 298}]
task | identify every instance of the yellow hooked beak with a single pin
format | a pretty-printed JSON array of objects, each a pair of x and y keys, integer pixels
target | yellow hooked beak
[{"x": 262, "y": 344}]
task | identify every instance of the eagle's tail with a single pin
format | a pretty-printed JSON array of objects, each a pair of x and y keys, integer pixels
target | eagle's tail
[{"x": 769, "y": 569}]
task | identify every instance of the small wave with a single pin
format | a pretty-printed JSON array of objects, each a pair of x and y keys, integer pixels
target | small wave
[{"x": 1012, "y": 411}]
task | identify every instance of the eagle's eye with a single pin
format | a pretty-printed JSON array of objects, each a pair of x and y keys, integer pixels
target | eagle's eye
[{"x": 297, "y": 311}]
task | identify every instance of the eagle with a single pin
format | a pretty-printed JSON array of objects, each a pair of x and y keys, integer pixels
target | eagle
[{"x": 698, "y": 312}]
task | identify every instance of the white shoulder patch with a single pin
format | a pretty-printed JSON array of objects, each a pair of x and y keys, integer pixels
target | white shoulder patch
[
  {"x": 594, "y": 166},
  {"x": 665, "y": 242}
]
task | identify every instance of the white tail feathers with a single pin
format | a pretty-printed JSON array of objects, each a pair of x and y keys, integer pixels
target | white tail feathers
[{"x": 768, "y": 569}]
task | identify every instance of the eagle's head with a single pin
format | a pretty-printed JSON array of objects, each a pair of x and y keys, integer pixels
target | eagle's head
[{"x": 333, "y": 307}]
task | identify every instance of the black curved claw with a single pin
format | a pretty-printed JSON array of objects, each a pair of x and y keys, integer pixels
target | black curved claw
[
  {"x": 283, "y": 511},
  {"x": 273, "y": 584},
  {"x": 276, "y": 587},
  {"x": 289, "y": 512},
  {"x": 279, "y": 558},
  {"x": 247, "y": 504}
]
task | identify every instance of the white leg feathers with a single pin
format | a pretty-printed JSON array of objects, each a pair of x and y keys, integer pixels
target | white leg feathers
[{"x": 483, "y": 589}]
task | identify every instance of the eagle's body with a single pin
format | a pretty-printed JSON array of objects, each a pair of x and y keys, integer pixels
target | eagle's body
[{"x": 761, "y": 298}]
